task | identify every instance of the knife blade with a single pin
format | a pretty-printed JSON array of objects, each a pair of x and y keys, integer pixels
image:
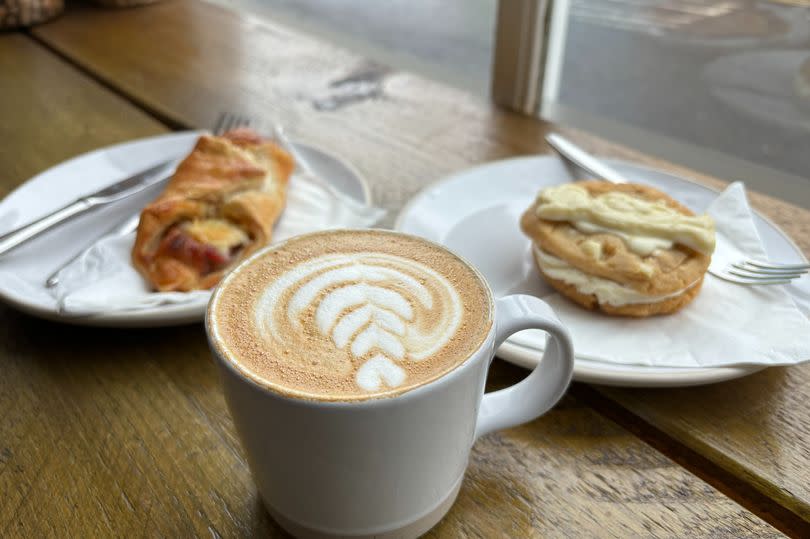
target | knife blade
[
  {"x": 583, "y": 159},
  {"x": 112, "y": 193}
]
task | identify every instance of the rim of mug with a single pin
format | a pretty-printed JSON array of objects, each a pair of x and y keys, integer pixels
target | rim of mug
[{"x": 221, "y": 357}]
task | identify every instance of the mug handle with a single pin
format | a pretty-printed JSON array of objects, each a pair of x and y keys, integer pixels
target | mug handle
[{"x": 535, "y": 395}]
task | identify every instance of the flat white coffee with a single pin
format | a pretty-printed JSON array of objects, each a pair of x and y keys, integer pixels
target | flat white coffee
[{"x": 350, "y": 315}]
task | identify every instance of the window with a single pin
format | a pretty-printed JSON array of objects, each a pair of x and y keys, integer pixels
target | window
[{"x": 719, "y": 85}]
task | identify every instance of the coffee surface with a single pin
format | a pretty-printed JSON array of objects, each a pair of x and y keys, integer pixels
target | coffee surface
[{"x": 350, "y": 315}]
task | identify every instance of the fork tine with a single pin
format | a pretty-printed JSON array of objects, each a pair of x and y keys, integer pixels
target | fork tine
[
  {"x": 217, "y": 129},
  {"x": 230, "y": 120},
  {"x": 236, "y": 121},
  {"x": 754, "y": 272},
  {"x": 746, "y": 282},
  {"x": 771, "y": 266},
  {"x": 772, "y": 272},
  {"x": 754, "y": 276},
  {"x": 223, "y": 123},
  {"x": 778, "y": 276},
  {"x": 750, "y": 279}
]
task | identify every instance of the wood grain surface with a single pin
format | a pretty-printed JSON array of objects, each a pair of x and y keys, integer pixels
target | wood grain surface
[
  {"x": 110, "y": 432},
  {"x": 121, "y": 433},
  {"x": 72, "y": 115},
  {"x": 118, "y": 433},
  {"x": 410, "y": 133}
]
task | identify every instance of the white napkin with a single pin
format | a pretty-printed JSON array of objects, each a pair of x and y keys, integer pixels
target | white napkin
[
  {"x": 726, "y": 324},
  {"x": 103, "y": 279}
]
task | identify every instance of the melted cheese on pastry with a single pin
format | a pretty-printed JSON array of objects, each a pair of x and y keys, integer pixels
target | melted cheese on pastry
[{"x": 218, "y": 233}]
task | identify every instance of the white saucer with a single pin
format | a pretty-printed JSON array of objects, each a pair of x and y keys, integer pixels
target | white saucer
[
  {"x": 475, "y": 213},
  {"x": 86, "y": 173}
]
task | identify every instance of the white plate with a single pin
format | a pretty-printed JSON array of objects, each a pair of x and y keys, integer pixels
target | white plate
[
  {"x": 86, "y": 173},
  {"x": 475, "y": 213}
]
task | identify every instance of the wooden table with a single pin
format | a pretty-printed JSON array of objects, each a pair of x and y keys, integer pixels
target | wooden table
[{"x": 124, "y": 433}]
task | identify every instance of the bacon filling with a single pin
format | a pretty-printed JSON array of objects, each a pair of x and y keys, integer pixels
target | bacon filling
[{"x": 183, "y": 243}]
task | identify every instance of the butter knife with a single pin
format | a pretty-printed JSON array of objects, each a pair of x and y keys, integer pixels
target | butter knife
[
  {"x": 579, "y": 157},
  {"x": 113, "y": 193}
]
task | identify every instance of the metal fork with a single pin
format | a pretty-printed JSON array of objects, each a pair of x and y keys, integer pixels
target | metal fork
[
  {"x": 756, "y": 272},
  {"x": 225, "y": 122},
  {"x": 230, "y": 120},
  {"x": 744, "y": 272}
]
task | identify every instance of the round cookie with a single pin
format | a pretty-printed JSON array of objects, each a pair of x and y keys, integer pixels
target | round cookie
[{"x": 605, "y": 255}]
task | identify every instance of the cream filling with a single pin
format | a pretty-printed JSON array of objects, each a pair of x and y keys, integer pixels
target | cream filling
[
  {"x": 644, "y": 224},
  {"x": 641, "y": 245},
  {"x": 606, "y": 291}
]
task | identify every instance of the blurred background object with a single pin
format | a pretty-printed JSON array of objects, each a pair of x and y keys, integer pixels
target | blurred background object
[
  {"x": 447, "y": 40},
  {"x": 123, "y": 3},
  {"x": 23, "y": 13},
  {"x": 20, "y": 13},
  {"x": 715, "y": 85},
  {"x": 722, "y": 86}
]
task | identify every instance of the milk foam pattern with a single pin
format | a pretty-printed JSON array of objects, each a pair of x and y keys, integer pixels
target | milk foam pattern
[{"x": 369, "y": 305}]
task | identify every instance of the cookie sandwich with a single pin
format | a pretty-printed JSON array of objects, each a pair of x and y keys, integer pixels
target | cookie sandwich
[{"x": 623, "y": 249}]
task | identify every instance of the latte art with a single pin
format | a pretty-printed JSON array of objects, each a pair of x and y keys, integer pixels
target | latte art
[
  {"x": 380, "y": 308},
  {"x": 348, "y": 315}
]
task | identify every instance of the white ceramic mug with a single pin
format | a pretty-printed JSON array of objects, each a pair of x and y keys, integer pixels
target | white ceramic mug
[{"x": 389, "y": 467}]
